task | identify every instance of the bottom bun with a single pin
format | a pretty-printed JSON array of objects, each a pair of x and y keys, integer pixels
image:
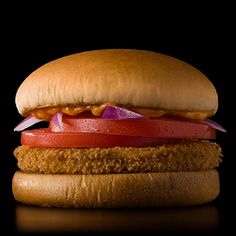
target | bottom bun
[{"x": 116, "y": 190}]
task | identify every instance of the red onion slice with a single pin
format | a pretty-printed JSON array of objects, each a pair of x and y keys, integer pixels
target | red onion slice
[
  {"x": 214, "y": 125},
  {"x": 27, "y": 122},
  {"x": 117, "y": 113},
  {"x": 57, "y": 119}
]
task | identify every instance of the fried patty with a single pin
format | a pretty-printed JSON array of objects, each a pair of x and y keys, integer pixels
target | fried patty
[{"x": 183, "y": 156}]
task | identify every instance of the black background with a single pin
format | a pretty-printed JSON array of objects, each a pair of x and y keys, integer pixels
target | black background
[{"x": 200, "y": 35}]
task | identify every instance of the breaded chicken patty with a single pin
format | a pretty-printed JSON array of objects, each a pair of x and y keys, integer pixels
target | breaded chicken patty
[{"x": 182, "y": 156}]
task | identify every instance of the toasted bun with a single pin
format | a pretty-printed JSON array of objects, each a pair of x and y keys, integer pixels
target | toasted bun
[
  {"x": 124, "y": 76},
  {"x": 117, "y": 190}
]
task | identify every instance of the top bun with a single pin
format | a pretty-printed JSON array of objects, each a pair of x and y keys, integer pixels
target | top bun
[{"x": 123, "y": 76}]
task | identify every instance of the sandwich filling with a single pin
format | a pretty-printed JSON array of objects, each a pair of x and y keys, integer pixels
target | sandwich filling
[
  {"x": 186, "y": 155},
  {"x": 96, "y": 110},
  {"x": 117, "y": 141}
]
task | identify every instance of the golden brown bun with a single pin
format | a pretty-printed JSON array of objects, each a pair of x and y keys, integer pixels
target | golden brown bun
[
  {"x": 117, "y": 190},
  {"x": 124, "y": 76}
]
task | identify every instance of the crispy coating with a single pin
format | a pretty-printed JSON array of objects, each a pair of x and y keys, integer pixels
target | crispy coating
[{"x": 183, "y": 156}]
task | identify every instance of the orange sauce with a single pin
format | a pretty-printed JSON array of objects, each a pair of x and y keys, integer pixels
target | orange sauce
[{"x": 96, "y": 110}]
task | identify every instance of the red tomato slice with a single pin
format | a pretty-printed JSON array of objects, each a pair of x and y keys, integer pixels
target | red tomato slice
[
  {"x": 156, "y": 128},
  {"x": 90, "y": 132},
  {"x": 45, "y": 138}
]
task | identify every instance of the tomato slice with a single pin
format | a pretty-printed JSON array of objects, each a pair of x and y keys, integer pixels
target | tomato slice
[
  {"x": 96, "y": 132},
  {"x": 46, "y": 138},
  {"x": 156, "y": 128}
]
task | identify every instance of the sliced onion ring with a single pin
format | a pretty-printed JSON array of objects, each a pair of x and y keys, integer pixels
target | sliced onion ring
[
  {"x": 214, "y": 125},
  {"x": 27, "y": 122},
  {"x": 117, "y": 113},
  {"x": 57, "y": 119}
]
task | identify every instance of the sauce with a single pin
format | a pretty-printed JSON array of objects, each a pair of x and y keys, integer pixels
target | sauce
[{"x": 96, "y": 110}]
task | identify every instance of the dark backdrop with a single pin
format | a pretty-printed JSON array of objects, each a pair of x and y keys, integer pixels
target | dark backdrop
[{"x": 203, "y": 38}]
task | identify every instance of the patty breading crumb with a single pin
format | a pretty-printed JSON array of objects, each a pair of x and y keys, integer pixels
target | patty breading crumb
[{"x": 183, "y": 156}]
